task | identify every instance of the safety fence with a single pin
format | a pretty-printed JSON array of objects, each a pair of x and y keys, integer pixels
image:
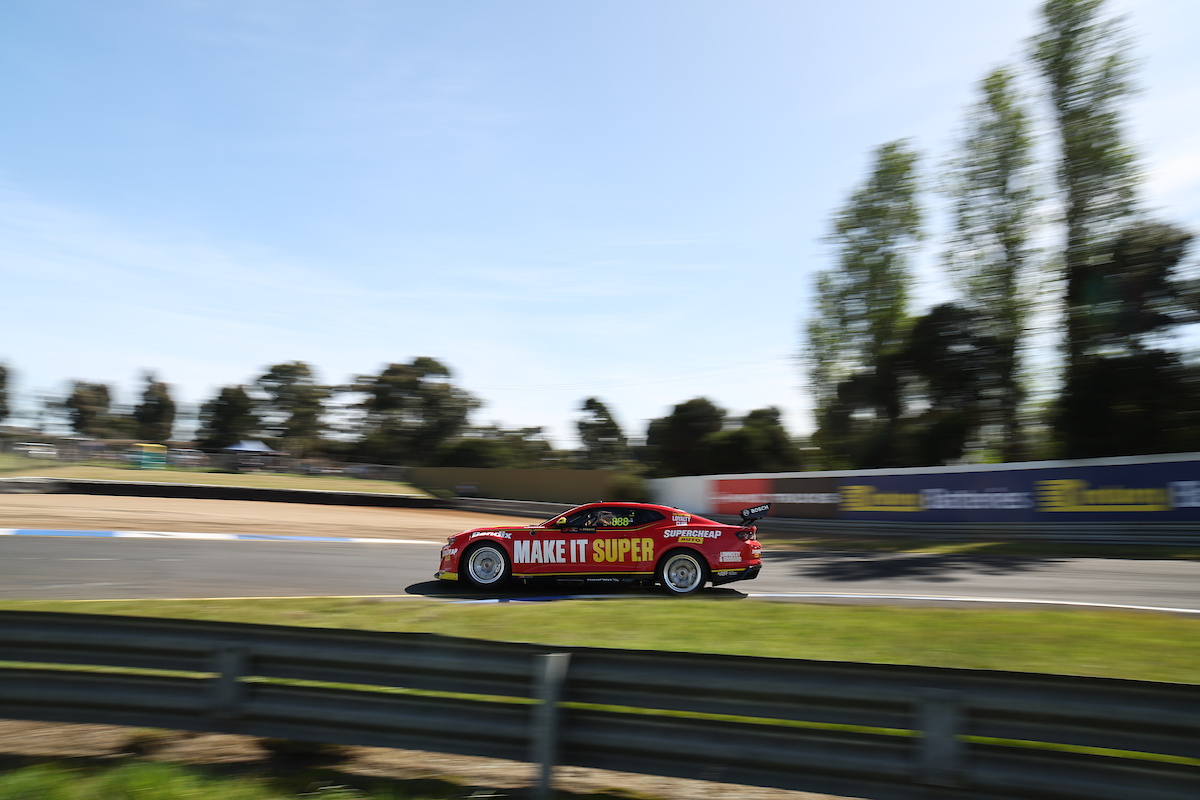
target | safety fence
[{"x": 861, "y": 730}]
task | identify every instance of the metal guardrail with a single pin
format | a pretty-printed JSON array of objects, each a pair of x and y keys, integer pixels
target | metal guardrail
[
  {"x": 871, "y": 731},
  {"x": 516, "y": 508}
]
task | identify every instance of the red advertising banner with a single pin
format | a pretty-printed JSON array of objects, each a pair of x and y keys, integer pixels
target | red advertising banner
[{"x": 731, "y": 496}]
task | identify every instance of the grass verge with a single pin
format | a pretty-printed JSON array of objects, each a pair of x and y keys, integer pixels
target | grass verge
[
  {"x": 335, "y": 483},
  {"x": 1137, "y": 646},
  {"x": 146, "y": 780}
]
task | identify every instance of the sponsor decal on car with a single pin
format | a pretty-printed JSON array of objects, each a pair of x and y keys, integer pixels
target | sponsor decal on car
[
  {"x": 449, "y": 551},
  {"x": 497, "y": 534},
  {"x": 682, "y": 519},
  {"x": 576, "y": 551},
  {"x": 698, "y": 533},
  {"x": 730, "y": 555}
]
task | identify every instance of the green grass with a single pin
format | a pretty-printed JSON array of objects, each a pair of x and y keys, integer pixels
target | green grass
[
  {"x": 336, "y": 483},
  {"x": 143, "y": 780},
  {"x": 12, "y": 465},
  {"x": 1139, "y": 646}
]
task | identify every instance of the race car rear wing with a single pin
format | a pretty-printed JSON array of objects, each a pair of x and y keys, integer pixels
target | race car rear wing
[{"x": 750, "y": 515}]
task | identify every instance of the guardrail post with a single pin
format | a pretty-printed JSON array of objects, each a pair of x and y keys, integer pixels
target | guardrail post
[
  {"x": 941, "y": 751},
  {"x": 551, "y": 675},
  {"x": 230, "y": 663}
]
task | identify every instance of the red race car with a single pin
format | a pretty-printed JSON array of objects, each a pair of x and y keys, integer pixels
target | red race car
[{"x": 613, "y": 542}]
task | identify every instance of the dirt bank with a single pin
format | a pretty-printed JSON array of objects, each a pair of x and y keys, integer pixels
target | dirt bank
[{"x": 86, "y": 512}]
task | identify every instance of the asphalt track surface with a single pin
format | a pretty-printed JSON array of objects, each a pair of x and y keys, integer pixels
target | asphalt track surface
[{"x": 86, "y": 568}]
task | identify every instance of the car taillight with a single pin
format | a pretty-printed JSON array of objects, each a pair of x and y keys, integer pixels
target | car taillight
[{"x": 748, "y": 534}]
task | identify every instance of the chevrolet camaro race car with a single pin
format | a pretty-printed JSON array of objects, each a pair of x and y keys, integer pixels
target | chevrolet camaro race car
[{"x": 614, "y": 542}]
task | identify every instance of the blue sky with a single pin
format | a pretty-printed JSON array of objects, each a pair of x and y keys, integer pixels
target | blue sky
[{"x": 558, "y": 200}]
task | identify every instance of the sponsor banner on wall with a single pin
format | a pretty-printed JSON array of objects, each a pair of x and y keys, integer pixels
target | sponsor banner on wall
[{"x": 1158, "y": 492}]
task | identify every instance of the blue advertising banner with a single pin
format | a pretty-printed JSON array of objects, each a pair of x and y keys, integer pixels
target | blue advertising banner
[{"x": 1166, "y": 491}]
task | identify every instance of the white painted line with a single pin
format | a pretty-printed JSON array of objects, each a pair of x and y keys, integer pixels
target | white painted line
[
  {"x": 169, "y": 535},
  {"x": 536, "y": 599},
  {"x": 951, "y": 599}
]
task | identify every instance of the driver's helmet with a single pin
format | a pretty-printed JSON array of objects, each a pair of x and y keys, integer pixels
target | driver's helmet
[{"x": 604, "y": 518}]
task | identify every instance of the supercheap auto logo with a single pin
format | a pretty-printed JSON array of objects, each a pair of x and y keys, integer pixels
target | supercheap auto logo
[{"x": 695, "y": 535}]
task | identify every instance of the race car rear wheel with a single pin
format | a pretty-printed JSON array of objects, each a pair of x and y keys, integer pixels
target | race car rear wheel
[
  {"x": 487, "y": 566},
  {"x": 682, "y": 572}
]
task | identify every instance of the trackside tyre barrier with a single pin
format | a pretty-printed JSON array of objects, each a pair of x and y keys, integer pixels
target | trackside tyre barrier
[{"x": 861, "y": 730}]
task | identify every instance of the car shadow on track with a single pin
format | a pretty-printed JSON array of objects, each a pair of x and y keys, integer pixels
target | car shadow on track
[
  {"x": 932, "y": 567},
  {"x": 566, "y": 591}
]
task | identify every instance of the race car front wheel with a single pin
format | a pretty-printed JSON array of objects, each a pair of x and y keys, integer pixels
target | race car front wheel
[
  {"x": 487, "y": 566},
  {"x": 682, "y": 572}
]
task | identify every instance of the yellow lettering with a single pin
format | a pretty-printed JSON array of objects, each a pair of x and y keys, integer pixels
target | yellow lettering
[
  {"x": 635, "y": 552},
  {"x": 1076, "y": 495},
  {"x": 622, "y": 549},
  {"x": 647, "y": 549},
  {"x": 867, "y": 498},
  {"x": 598, "y": 550}
]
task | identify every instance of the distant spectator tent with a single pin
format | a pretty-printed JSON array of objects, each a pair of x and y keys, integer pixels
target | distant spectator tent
[
  {"x": 251, "y": 455},
  {"x": 251, "y": 446}
]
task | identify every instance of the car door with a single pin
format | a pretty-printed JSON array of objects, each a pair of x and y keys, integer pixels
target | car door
[{"x": 619, "y": 540}]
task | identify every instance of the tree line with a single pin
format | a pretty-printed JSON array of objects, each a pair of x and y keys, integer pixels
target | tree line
[
  {"x": 894, "y": 389},
  {"x": 413, "y": 414}
]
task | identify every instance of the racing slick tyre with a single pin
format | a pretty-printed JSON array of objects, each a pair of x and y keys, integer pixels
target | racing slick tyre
[
  {"x": 682, "y": 572},
  {"x": 487, "y": 567}
]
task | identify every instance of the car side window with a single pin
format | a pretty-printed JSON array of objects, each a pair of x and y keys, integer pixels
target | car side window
[
  {"x": 609, "y": 518},
  {"x": 644, "y": 516}
]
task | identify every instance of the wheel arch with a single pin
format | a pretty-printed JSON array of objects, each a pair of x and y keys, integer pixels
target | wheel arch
[
  {"x": 705, "y": 568},
  {"x": 464, "y": 562}
]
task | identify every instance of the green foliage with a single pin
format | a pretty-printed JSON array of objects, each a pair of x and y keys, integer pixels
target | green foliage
[
  {"x": 88, "y": 408},
  {"x": 1130, "y": 392},
  {"x": 1086, "y": 65},
  {"x": 953, "y": 365},
  {"x": 156, "y": 415},
  {"x": 3, "y": 392},
  {"x": 410, "y": 410},
  {"x": 604, "y": 444},
  {"x": 697, "y": 439},
  {"x": 293, "y": 407},
  {"x": 491, "y": 447},
  {"x": 759, "y": 444},
  {"x": 147, "y": 780},
  {"x": 625, "y": 487},
  {"x": 990, "y": 184},
  {"x": 227, "y": 419},
  {"x": 862, "y": 304},
  {"x": 675, "y": 443}
]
